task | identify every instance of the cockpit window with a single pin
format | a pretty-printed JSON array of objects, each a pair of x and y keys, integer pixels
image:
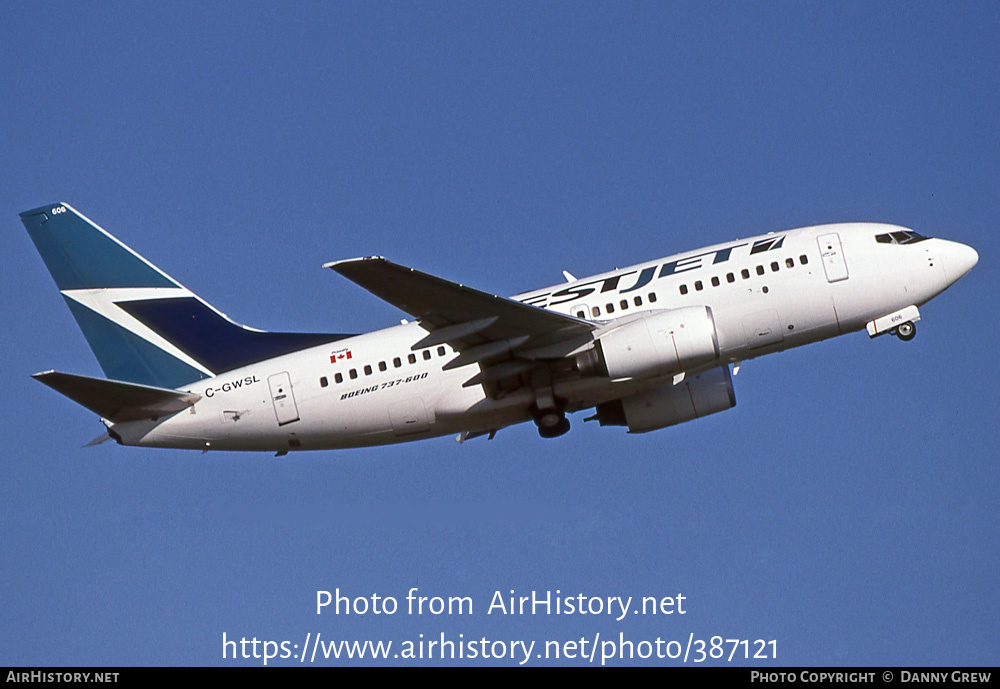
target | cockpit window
[{"x": 907, "y": 237}]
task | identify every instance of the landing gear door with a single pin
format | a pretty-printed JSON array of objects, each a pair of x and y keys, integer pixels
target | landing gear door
[
  {"x": 283, "y": 399},
  {"x": 833, "y": 257}
]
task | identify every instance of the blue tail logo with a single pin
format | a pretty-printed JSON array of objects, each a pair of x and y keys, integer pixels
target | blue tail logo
[{"x": 142, "y": 325}]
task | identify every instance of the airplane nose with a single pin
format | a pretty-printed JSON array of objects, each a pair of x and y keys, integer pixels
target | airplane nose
[
  {"x": 959, "y": 259},
  {"x": 964, "y": 260}
]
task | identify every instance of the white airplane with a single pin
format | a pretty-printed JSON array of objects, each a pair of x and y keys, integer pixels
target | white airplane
[{"x": 648, "y": 346}]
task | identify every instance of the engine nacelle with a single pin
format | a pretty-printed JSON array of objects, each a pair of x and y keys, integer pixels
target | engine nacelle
[
  {"x": 664, "y": 343},
  {"x": 668, "y": 405}
]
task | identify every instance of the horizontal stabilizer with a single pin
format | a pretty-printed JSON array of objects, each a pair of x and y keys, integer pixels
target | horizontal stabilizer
[{"x": 117, "y": 401}]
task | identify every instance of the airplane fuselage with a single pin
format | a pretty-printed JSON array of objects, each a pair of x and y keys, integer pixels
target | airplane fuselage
[{"x": 764, "y": 294}]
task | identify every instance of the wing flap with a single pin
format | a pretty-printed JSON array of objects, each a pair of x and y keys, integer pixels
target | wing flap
[
  {"x": 117, "y": 401},
  {"x": 452, "y": 333}
]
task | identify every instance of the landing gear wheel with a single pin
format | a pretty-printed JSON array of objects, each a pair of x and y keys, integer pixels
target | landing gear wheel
[
  {"x": 548, "y": 419},
  {"x": 551, "y": 423},
  {"x": 906, "y": 331},
  {"x": 561, "y": 427}
]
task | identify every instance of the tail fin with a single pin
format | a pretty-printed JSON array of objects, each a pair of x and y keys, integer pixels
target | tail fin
[{"x": 142, "y": 325}]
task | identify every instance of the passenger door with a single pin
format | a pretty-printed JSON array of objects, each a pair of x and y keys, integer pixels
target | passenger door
[
  {"x": 285, "y": 408},
  {"x": 833, "y": 257}
]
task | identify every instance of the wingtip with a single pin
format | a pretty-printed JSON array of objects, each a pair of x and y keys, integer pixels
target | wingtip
[{"x": 334, "y": 264}]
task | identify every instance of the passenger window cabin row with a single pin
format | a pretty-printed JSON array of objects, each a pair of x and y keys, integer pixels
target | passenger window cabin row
[
  {"x": 745, "y": 274},
  {"x": 397, "y": 362},
  {"x": 623, "y": 304}
]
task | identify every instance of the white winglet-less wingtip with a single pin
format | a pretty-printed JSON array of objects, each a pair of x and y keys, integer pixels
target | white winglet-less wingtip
[{"x": 646, "y": 347}]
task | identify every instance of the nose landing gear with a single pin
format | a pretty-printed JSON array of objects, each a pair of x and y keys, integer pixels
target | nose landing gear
[
  {"x": 906, "y": 331},
  {"x": 899, "y": 323}
]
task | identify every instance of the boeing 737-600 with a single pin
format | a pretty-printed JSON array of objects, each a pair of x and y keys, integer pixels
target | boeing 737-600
[{"x": 644, "y": 347}]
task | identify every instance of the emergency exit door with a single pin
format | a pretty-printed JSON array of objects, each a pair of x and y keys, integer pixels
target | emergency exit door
[
  {"x": 833, "y": 257},
  {"x": 282, "y": 398}
]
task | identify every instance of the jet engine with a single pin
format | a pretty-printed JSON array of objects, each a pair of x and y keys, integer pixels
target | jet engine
[
  {"x": 668, "y": 405},
  {"x": 663, "y": 343}
]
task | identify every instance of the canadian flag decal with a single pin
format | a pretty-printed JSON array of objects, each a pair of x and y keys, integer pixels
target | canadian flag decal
[{"x": 340, "y": 355}]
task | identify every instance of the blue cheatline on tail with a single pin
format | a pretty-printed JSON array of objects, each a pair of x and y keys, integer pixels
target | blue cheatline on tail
[{"x": 142, "y": 325}]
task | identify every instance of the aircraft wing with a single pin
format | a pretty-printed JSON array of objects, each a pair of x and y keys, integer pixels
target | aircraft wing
[
  {"x": 461, "y": 316},
  {"x": 117, "y": 401}
]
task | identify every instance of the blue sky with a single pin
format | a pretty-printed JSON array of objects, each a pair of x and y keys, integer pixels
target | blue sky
[{"x": 847, "y": 507}]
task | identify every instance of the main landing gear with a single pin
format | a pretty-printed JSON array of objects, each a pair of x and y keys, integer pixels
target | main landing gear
[
  {"x": 906, "y": 331},
  {"x": 551, "y": 423},
  {"x": 548, "y": 410}
]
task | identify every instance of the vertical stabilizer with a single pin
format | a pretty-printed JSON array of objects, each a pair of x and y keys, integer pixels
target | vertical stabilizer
[{"x": 142, "y": 325}]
